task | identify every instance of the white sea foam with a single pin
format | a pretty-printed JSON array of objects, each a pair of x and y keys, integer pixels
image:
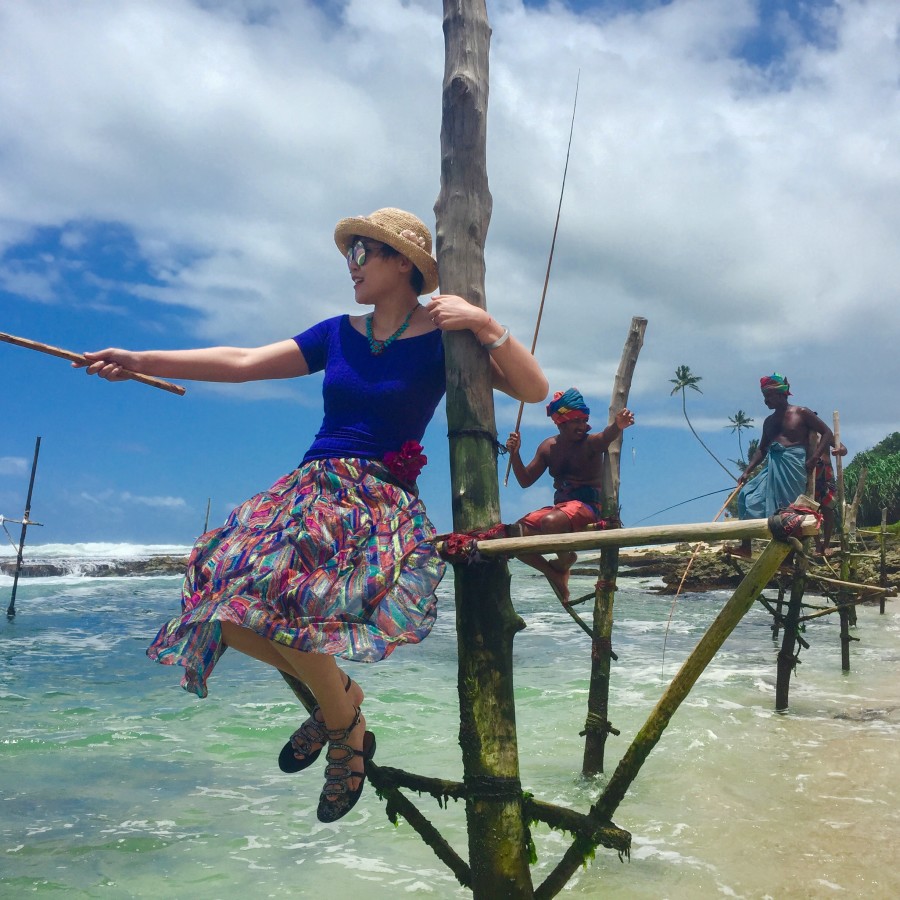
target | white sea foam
[{"x": 98, "y": 551}]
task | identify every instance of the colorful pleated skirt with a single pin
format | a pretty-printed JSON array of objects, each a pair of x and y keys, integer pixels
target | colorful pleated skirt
[{"x": 334, "y": 558}]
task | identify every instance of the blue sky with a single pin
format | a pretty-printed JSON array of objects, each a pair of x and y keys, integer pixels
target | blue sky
[{"x": 171, "y": 172}]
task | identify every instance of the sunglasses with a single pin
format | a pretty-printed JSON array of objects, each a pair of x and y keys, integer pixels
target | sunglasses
[{"x": 358, "y": 252}]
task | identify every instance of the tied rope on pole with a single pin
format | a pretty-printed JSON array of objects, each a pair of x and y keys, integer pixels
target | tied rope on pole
[{"x": 537, "y": 324}]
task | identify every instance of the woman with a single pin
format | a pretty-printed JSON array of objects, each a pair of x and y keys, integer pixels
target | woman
[{"x": 337, "y": 558}]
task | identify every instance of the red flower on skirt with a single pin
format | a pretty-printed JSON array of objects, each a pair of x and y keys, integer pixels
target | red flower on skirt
[{"x": 407, "y": 462}]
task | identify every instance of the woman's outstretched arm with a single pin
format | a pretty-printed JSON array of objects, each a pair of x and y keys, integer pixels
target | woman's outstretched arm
[{"x": 282, "y": 359}]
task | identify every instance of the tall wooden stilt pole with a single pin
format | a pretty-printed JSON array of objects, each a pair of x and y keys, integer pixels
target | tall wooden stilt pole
[
  {"x": 846, "y": 611},
  {"x": 597, "y": 727},
  {"x": 882, "y": 568},
  {"x": 787, "y": 659},
  {"x": 486, "y": 620}
]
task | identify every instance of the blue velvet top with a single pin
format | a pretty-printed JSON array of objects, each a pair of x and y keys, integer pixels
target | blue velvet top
[{"x": 373, "y": 404}]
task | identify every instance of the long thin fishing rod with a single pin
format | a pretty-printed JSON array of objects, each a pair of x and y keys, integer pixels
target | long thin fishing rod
[
  {"x": 537, "y": 324},
  {"x": 699, "y": 497},
  {"x": 687, "y": 569},
  {"x": 79, "y": 358}
]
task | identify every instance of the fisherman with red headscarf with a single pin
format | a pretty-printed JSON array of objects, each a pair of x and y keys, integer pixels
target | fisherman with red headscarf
[{"x": 574, "y": 459}]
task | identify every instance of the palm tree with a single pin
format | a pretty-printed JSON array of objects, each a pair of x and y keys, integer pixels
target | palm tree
[
  {"x": 739, "y": 422},
  {"x": 684, "y": 379}
]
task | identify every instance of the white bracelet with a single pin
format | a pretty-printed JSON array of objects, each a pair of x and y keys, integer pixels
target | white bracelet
[{"x": 499, "y": 342}]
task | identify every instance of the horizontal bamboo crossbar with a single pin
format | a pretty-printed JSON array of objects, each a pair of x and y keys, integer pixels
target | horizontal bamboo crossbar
[
  {"x": 851, "y": 585},
  {"x": 741, "y": 529},
  {"x": 587, "y": 827},
  {"x": 832, "y": 609}
]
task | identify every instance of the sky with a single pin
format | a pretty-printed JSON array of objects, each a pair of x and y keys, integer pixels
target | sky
[{"x": 171, "y": 173}]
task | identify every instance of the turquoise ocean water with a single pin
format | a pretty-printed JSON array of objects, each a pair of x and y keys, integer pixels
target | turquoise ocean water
[{"x": 114, "y": 782}]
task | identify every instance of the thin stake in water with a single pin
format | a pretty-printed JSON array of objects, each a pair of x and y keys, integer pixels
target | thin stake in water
[{"x": 26, "y": 521}]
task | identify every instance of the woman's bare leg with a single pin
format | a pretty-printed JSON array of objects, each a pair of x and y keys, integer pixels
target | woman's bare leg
[
  {"x": 319, "y": 671},
  {"x": 251, "y": 644}
]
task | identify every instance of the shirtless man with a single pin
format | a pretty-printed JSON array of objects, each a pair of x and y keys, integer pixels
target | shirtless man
[
  {"x": 574, "y": 459},
  {"x": 785, "y": 439}
]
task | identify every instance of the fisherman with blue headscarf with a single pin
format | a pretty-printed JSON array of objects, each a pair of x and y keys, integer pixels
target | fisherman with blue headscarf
[
  {"x": 785, "y": 447},
  {"x": 574, "y": 459}
]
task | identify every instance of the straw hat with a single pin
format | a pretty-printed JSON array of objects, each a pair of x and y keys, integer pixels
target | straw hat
[{"x": 401, "y": 230}]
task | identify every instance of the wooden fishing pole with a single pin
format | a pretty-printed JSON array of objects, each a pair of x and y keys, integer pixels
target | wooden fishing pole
[
  {"x": 683, "y": 502},
  {"x": 537, "y": 324},
  {"x": 80, "y": 358},
  {"x": 697, "y": 547},
  {"x": 687, "y": 569}
]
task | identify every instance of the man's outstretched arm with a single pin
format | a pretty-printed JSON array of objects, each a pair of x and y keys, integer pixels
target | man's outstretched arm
[
  {"x": 624, "y": 419},
  {"x": 527, "y": 475}
]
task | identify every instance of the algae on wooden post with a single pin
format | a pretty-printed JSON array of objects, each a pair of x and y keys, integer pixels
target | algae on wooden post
[
  {"x": 787, "y": 658},
  {"x": 486, "y": 622},
  {"x": 597, "y": 725}
]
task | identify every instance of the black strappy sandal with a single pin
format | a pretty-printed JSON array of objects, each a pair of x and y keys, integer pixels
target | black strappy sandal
[
  {"x": 297, "y": 754},
  {"x": 338, "y": 772}
]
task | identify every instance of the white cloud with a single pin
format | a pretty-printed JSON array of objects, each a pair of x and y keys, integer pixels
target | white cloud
[
  {"x": 13, "y": 465},
  {"x": 112, "y": 500},
  {"x": 751, "y": 214},
  {"x": 157, "y": 502}
]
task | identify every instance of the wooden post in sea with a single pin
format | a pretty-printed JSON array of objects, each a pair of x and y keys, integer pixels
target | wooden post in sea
[
  {"x": 882, "y": 580},
  {"x": 11, "y": 609},
  {"x": 788, "y": 660},
  {"x": 846, "y": 611},
  {"x": 486, "y": 621},
  {"x": 597, "y": 725}
]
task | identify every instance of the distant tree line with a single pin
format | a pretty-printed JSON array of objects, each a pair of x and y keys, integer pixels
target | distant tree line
[{"x": 882, "y": 487}]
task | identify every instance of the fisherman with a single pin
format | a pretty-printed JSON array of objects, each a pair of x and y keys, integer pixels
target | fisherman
[
  {"x": 785, "y": 441},
  {"x": 574, "y": 459}
]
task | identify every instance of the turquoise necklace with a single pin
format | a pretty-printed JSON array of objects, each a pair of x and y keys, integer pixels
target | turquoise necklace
[{"x": 378, "y": 347}]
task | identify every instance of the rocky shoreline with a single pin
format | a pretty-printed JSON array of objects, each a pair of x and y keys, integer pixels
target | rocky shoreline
[
  {"x": 152, "y": 566},
  {"x": 712, "y": 569}
]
